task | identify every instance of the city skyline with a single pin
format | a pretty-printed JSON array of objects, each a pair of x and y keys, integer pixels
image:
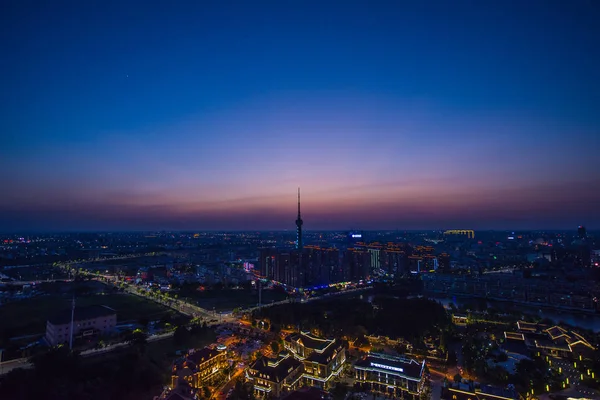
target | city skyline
[{"x": 391, "y": 117}]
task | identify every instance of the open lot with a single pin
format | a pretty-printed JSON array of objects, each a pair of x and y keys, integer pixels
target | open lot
[
  {"x": 29, "y": 316},
  {"x": 228, "y": 299},
  {"x": 40, "y": 273}
]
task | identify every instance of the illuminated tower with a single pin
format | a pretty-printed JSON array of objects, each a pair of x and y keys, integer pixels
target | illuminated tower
[{"x": 299, "y": 226}]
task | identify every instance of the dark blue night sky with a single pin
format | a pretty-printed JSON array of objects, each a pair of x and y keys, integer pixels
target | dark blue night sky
[{"x": 209, "y": 114}]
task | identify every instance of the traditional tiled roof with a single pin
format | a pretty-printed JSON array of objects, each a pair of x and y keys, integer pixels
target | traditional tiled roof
[
  {"x": 530, "y": 327},
  {"x": 327, "y": 355},
  {"x": 309, "y": 341},
  {"x": 275, "y": 369},
  {"x": 514, "y": 336},
  {"x": 556, "y": 331},
  {"x": 200, "y": 356}
]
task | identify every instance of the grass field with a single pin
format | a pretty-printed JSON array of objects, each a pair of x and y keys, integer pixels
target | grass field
[
  {"x": 29, "y": 316},
  {"x": 228, "y": 299},
  {"x": 35, "y": 273}
]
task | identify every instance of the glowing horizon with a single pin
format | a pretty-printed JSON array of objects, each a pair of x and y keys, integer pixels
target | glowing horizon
[{"x": 213, "y": 121}]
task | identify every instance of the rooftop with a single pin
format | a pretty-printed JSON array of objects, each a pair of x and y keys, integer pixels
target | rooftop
[
  {"x": 275, "y": 369},
  {"x": 325, "y": 356},
  {"x": 200, "y": 356},
  {"x": 81, "y": 314},
  {"x": 310, "y": 341}
]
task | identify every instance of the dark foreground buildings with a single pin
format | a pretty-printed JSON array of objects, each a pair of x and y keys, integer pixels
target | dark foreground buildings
[{"x": 87, "y": 321}]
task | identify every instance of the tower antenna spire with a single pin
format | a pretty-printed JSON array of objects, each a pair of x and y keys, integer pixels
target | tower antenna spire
[{"x": 299, "y": 223}]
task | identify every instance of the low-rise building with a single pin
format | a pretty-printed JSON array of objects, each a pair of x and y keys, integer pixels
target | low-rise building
[
  {"x": 553, "y": 341},
  {"x": 322, "y": 358},
  {"x": 199, "y": 367},
  {"x": 87, "y": 321},
  {"x": 274, "y": 377},
  {"x": 483, "y": 393},
  {"x": 392, "y": 375}
]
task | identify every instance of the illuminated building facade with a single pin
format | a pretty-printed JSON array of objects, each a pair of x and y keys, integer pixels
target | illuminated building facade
[
  {"x": 393, "y": 376},
  {"x": 274, "y": 377},
  {"x": 323, "y": 359},
  {"x": 199, "y": 368}
]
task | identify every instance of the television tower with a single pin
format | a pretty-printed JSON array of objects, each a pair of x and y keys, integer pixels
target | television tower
[{"x": 299, "y": 226}]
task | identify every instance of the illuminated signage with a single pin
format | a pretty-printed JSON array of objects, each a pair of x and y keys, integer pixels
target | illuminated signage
[
  {"x": 356, "y": 235},
  {"x": 387, "y": 367}
]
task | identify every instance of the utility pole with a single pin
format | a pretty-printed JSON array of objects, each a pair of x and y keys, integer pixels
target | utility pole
[
  {"x": 72, "y": 323},
  {"x": 259, "y": 294}
]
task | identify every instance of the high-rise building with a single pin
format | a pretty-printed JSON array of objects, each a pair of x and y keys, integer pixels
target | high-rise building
[
  {"x": 319, "y": 264},
  {"x": 267, "y": 263},
  {"x": 299, "y": 222},
  {"x": 386, "y": 259},
  {"x": 581, "y": 232},
  {"x": 356, "y": 264}
]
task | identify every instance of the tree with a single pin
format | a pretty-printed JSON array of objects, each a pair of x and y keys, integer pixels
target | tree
[
  {"x": 242, "y": 391},
  {"x": 275, "y": 346},
  {"x": 144, "y": 322},
  {"x": 457, "y": 378},
  {"x": 426, "y": 393},
  {"x": 339, "y": 391},
  {"x": 138, "y": 340},
  {"x": 452, "y": 359},
  {"x": 181, "y": 335}
]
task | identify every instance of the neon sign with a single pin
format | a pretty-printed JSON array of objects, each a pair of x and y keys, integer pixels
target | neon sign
[{"x": 387, "y": 367}]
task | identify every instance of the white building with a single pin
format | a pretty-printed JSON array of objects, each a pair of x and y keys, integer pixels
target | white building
[{"x": 88, "y": 321}]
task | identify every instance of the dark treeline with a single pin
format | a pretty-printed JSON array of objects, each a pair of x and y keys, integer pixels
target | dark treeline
[
  {"x": 134, "y": 372},
  {"x": 58, "y": 374},
  {"x": 393, "y": 317}
]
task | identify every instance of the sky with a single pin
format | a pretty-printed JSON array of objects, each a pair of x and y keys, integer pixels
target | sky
[{"x": 208, "y": 115}]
